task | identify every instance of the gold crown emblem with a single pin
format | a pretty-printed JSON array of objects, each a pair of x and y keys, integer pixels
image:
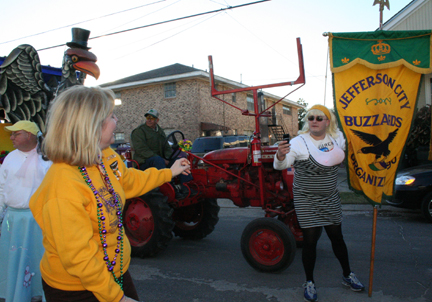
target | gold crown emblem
[
  {"x": 345, "y": 60},
  {"x": 380, "y": 48},
  {"x": 416, "y": 62},
  {"x": 381, "y": 58}
]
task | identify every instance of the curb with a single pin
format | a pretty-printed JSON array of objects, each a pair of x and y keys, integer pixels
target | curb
[{"x": 365, "y": 207}]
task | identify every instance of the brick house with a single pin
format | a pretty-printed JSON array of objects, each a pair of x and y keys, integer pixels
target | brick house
[{"x": 181, "y": 94}]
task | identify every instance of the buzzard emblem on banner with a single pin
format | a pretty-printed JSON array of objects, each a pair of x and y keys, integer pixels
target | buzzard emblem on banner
[{"x": 377, "y": 147}]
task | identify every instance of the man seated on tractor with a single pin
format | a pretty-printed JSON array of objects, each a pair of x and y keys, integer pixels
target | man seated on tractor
[{"x": 148, "y": 142}]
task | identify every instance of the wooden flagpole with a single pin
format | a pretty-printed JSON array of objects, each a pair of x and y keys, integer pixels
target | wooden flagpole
[
  {"x": 372, "y": 258},
  {"x": 381, "y": 3}
]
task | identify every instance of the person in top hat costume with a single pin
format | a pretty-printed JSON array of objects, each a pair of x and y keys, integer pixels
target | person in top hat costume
[
  {"x": 21, "y": 78},
  {"x": 21, "y": 246},
  {"x": 77, "y": 58}
]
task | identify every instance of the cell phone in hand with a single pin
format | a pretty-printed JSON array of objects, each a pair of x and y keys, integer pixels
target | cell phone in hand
[{"x": 286, "y": 137}]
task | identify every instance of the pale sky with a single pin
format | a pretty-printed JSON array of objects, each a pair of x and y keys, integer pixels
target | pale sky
[{"x": 254, "y": 44}]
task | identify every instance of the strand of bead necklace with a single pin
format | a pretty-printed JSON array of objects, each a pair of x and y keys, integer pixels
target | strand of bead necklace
[{"x": 101, "y": 222}]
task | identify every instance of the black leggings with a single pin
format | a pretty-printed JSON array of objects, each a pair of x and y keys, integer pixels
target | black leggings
[{"x": 310, "y": 239}]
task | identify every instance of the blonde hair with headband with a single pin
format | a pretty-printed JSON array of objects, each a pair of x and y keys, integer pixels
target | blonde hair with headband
[
  {"x": 332, "y": 129},
  {"x": 323, "y": 109}
]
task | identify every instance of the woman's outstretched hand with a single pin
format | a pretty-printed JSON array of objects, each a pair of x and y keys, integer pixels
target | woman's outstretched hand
[
  {"x": 283, "y": 150},
  {"x": 180, "y": 166}
]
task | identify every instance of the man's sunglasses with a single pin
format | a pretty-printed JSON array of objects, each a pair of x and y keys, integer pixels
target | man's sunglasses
[
  {"x": 149, "y": 117},
  {"x": 15, "y": 134},
  {"x": 318, "y": 118}
]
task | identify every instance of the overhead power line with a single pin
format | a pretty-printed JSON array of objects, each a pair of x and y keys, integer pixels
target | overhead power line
[
  {"x": 143, "y": 16},
  {"x": 177, "y": 33},
  {"x": 66, "y": 26},
  {"x": 163, "y": 22}
]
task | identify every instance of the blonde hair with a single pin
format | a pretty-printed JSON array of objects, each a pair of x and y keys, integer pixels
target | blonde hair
[
  {"x": 74, "y": 125},
  {"x": 332, "y": 130}
]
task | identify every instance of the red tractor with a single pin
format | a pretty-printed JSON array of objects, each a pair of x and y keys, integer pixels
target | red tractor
[{"x": 244, "y": 175}]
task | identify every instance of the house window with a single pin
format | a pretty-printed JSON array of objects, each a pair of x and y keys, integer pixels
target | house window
[
  {"x": 286, "y": 110},
  {"x": 117, "y": 100},
  {"x": 250, "y": 103},
  {"x": 119, "y": 137},
  {"x": 248, "y": 132},
  {"x": 170, "y": 90},
  {"x": 233, "y": 95}
]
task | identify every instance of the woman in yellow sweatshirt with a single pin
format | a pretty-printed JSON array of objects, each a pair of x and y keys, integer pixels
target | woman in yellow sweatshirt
[{"x": 80, "y": 201}]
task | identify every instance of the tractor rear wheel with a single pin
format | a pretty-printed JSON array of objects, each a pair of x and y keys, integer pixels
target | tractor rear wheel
[
  {"x": 148, "y": 223},
  {"x": 196, "y": 221},
  {"x": 268, "y": 245}
]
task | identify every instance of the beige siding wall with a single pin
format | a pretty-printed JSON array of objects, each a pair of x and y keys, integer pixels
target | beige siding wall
[
  {"x": 419, "y": 19},
  {"x": 191, "y": 106}
]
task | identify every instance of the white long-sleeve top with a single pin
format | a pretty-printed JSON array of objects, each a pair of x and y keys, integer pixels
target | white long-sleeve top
[
  {"x": 18, "y": 183},
  {"x": 299, "y": 151}
]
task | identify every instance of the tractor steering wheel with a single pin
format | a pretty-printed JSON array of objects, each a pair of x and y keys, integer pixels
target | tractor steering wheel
[{"x": 175, "y": 147}]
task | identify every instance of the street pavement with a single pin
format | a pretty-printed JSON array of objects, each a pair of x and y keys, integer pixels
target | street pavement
[
  {"x": 214, "y": 269},
  {"x": 398, "y": 265}
]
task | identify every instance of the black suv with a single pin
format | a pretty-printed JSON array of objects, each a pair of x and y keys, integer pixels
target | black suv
[{"x": 205, "y": 144}]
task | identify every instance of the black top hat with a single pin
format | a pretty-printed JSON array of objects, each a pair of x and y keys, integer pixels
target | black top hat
[{"x": 79, "y": 38}]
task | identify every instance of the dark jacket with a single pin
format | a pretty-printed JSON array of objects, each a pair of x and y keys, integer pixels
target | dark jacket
[{"x": 148, "y": 142}]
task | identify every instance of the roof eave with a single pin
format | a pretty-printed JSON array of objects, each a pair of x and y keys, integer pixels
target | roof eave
[
  {"x": 158, "y": 80},
  {"x": 400, "y": 15},
  {"x": 189, "y": 75}
]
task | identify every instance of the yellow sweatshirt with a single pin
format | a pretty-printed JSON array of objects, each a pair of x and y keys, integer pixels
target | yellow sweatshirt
[{"x": 65, "y": 208}]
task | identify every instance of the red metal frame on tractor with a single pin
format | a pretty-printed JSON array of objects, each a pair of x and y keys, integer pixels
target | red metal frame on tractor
[{"x": 256, "y": 142}]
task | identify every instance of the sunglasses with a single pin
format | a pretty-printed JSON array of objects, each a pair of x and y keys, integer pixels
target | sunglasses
[
  {"x": 318, "y": 118},
  {"x": 149, "y": 117}
]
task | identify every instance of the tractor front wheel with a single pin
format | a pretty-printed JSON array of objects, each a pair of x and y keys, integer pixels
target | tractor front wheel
[
  {"x": 196, "y": 221},
  {"x": 268, "y": 245},
  {"x": 148, "y": 223}
]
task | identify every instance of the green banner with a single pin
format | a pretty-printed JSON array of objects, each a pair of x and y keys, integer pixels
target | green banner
[
  {"x": 382, "y": 49},
  {"x": 376, "y": 77}
]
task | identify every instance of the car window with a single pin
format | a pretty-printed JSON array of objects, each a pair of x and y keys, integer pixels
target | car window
[
  {"x": 231, "y": 142},
  {"x": 235, "y": 141},
  {"x": 243, "y": 141},
  {"x": 207, "y": 144},
  {"x": 204, "y": 145}
]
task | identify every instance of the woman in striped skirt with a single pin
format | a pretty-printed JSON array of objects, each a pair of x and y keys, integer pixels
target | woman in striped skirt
[{"x": 316, "y": 155}]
